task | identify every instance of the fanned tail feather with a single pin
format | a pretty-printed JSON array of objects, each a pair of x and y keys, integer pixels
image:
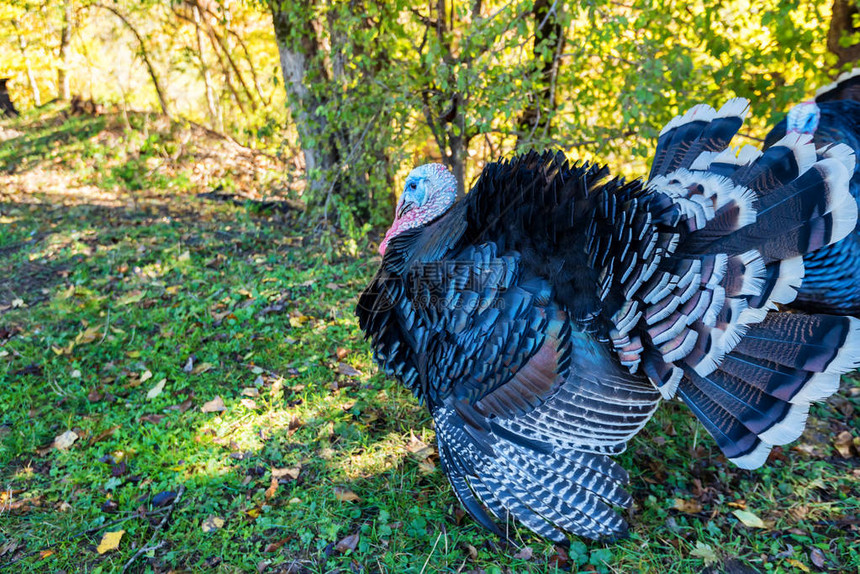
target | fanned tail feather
[{"x": 703, "y": 312}]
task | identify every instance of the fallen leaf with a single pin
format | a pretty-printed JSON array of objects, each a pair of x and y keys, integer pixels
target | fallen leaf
[
  {"x": 202, "y": 368},
  {"x": 344, "y": 369},
  {"x": 76, "y": 374},
  {"x": 273, "y": 488},
  {"x": 183, "y": 406},
  {"x": 332, "y": 286},
  {"x": 845, "y": 444},
  {"x": 817, "y": 557},
  {"x": 145, "y": 376},
  {"x": 345, "y": 494},
  {"x": 189, "y": 365},
  {"x": 88, "y": 336},
  {"x": 705, "y": 552},
  {"x": 9, "y": 546},
  {"x": 152, "y": 418},
  {"x": 525, "y": 553},
  {"x": 103, "y": 435},
  {"x": 347, "y": 543},
  {"x": 250, "y": 392},
  {"x": 341, "y": 353},
  {"x": 45, "y": 553},
  {"x": 426, "y": 466},
  {"x": 118, "y": 470},
  {"x": 156, "y": 390},
  {"x": 688, "y": 506},
  {"x": 212, "y": 524},
  {"x": 273, "y": 546},
  {"x": 216, "y": 405},
  {"x": 65, "y": 440},
  {"x": 134, "y": 296},
  {"x": 472, "y": 551},
  {"x": 749, "y": 519},
  {"x": 292, "y": 473},
  {"x": 110, "y": 541},
  {"x": 163, "y": 498},
  {"x": 249, "y": 404},
  {"x": 799, "y": 564}
]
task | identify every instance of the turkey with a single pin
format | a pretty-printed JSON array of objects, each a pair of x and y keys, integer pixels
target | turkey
[
  {"x": 832, "y": 281},
  {"x": 543, "y": 317}
]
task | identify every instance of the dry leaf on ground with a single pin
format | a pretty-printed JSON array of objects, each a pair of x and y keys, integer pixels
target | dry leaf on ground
[
  {"x": 688, "y": 506},
  {"x": 212, "y": 523},
  {"x": 345, "y": 494},
  {"x": 273, "y": 488},
  {"x": 347, "y": 543},
  {"x": 156, "y": 390},
  {"x": 216, "y": 405},
  {"x": 292, "y": 473},
  {"x": 65, "y": 440},
  {"x": 110, "y": 541},
  {"x": 749, "y": 519}
]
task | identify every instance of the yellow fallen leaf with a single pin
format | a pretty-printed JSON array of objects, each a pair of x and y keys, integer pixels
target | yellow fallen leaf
[
  {"x": 688, "y": 506},
  {"x": 131, "y": 297},
  {"x": 212, "y": 523},
  {"x": 145, "y": 376},
  {"x": 799, "y": 564},
  {"x": 110, "y": 541},
  {"x": 345, "y": 494},
  {"x": 88, "y": 335},
  {"x": 749, "y": 519},
  {"x": 201, "y": 368},
  {"x": 156, "y": 390}
]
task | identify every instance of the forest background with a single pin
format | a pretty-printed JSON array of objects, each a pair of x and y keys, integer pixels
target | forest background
[{"x": 355, "y": 92}]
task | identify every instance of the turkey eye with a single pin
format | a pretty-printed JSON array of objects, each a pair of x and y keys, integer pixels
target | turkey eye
[{"x": 413, "y": 185}]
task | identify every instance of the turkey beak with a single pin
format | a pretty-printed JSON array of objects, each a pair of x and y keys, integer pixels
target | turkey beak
[{"x": 405, "y": 208}]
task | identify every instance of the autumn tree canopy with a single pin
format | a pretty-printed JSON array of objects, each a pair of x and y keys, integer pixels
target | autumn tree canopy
[{"x": 358, "y": 92}]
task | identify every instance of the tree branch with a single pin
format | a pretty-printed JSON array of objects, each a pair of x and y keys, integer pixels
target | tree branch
[{"x": 161, "y": 99}]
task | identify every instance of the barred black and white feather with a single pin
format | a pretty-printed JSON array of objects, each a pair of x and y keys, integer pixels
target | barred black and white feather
[
  {"x": 544, "y": 316},
  {"x": 832, "y": 279}
]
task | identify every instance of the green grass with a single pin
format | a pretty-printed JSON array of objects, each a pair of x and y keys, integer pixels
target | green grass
[{"x": 98, "y": 304}]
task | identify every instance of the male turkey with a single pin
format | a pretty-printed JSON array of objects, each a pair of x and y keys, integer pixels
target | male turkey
[
  {"x": 543, "y": 316},
  {"x": 832, "y": 281}
]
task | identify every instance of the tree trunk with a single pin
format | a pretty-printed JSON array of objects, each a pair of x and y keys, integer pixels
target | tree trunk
[
  {"x": 65, "y": 41},
  {"x": 204, "y": 71},
  {"x": 302, "y": 65},
  {"x": 549, "y": 37},
  {"x": 841, "y": 24},
  {"x": 34, "y": 87}
]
